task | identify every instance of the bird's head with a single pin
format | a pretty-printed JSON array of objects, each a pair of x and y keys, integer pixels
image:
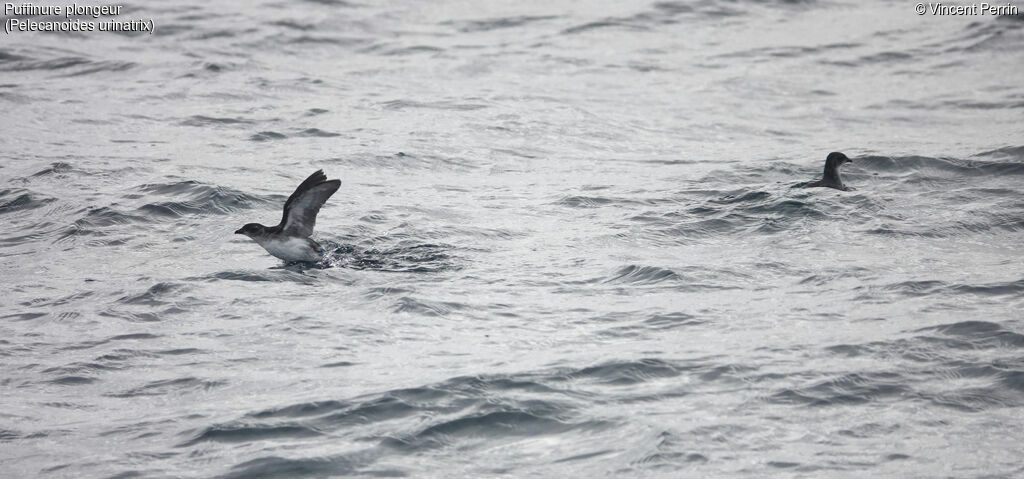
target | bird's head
[
  {"x": 251, "y": 230},
  {"x": 836, "y": 159}
]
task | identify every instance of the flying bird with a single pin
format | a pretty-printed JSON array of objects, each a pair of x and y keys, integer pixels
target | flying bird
[{"x": 290, "y": 239}]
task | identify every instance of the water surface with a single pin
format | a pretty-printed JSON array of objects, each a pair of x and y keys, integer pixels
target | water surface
[{"x": 567, "y": 242}]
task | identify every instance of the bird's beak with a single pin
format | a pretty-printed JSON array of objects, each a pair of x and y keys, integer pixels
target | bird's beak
[{"x": 239, "y": 232}]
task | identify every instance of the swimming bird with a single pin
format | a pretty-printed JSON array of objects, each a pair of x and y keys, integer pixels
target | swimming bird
[
  {"x": 290, "y": 239},
  {"x": 831, "y": 177}
]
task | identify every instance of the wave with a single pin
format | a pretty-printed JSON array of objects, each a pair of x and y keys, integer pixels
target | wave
[
  {"x": 399, "y": 105},
  {"x": 204, "y": 121},
  {"x": 18, "y": 199},
  {"x": 944, "y": 167},
  {"x": 298, "y": 133},
  {"x": 426, "y": 308},
  {"x": 1001, "y": 34},
  {"x": 633, "y": 274},
  {"x": 463, "y": 414},
  {"x": 67, "y": 64},
  {"x": 170, "y": 386},
  {"x": 268, "y": 136},
  {"x": 199, "y": 199},
  {"x": 465, "y": 408},
  {"x": 1006, "y": 152},
  {"x": 579, "y": 201},
  {"x": 158, "y": 294},
  {"x": 247, "y": 433},
  {"x": 945, "y": 288},
  {"x": 617, "y": 23},
  {"x": 732, "y": 213},
  {"x": 966, "y": 365},
  {"x": 977, "y": 335},
  {"x": 501, "y": 23},
  {"x": 848, "y": 389},
  {"x": 276, "y": 466},
  {"x": 674, "y": 12}
]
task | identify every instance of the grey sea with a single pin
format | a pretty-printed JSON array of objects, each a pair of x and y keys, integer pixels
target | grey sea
[{"x": 570, "y": 240}]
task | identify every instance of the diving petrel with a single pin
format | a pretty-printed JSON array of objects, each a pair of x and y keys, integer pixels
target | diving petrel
[
  {"x": 831, "y": 177},
  {"x": 290, "y": 240}
]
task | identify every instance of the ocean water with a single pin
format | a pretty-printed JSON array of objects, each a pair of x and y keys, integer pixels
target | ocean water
[{"x": 567, "y": 242}]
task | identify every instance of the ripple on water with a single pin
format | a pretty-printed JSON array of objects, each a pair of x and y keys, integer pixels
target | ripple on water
[
  {"x": 968, "y": 365},
  {"x": 464, "y": 412},
  {"x": 199, "y": 199},
  {"x": 847, "y": 389},
  {"x": 169, "y": 386},
  {"x": 688, "y": 279},
  {"x": 18, "y": 199},
  {"x": 941, "y": 289}
]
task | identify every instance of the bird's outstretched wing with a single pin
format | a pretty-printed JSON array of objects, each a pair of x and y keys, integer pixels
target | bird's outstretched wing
[{"x": 302, "y": 206}]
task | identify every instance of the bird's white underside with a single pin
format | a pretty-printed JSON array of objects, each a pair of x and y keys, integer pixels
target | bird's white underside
[{"x": 290, "y": 249}]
